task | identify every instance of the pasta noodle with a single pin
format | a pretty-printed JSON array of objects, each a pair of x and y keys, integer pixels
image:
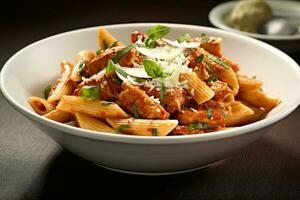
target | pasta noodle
[
  {"x": 202, "y": 92},
  {"x": 41, "y": 106},
  {"x": 247, "y": 84},
  {"x": 83, "y": 57},
  {"x": 59, "y": 116},
  {"x": 238, "y": 114},
  {"x": 63, "y": 86},
  {"x": 258, "y": 99},
  {"x": 91, "y": 123},
  {"x": 105, "y": 39},
  {"x": 93, "y": 108},
  {"x": 144, "y": 127},
  {"x": 154, "y": 87}
]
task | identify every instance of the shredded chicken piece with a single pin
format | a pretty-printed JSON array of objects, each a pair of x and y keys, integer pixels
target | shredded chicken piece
[
  {"x": 100, "y": 62},
  {"x": 146, "y": 107}
]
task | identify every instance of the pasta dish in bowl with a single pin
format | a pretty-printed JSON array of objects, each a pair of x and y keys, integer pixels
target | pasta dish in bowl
[
  {"x": 154, "y": 87},
  {"x": 152, "y": 98}
]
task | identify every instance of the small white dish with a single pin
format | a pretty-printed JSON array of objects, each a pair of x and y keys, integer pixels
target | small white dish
[
  {"x": 279, "y": 7},
  {"x": 27, "y": 72}
]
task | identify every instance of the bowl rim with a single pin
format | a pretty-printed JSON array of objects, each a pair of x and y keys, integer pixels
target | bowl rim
[
  {"x": 222, "y": 9},
  {"x": 122, "y": 138}
]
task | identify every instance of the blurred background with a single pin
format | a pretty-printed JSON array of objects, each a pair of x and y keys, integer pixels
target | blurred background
[{"x": 23, "y": 22}]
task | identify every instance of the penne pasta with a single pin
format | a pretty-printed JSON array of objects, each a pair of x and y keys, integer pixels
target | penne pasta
[
  {"x": 91, "y": 123},
  {"x": 143, "y": 127},
  {"x": 41, "y": 106},
  {"x": 94, "y": 108},
  {"x": 238, "y": 113},
  {"x": 259, "y": 99},
  {"x": 222, "y": 70},
  {"x": 168, "y": 87},
  {"x": 200, "y": 91},
  {"x": 64, "y": 86},
  {"x": 247, "y": 83},
  {"x": 229, "y": 77},
  {"x": 83, "y": 57},
  {"x": 71, "y": 123},
  {"x": 258, "y": 114},
  {"x": 59, "y": 116},
  {"x": 105, "y": 39},
  {"x": 213, "y": 45}
]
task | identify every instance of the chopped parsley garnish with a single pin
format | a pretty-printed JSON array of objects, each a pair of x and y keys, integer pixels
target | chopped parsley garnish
[
  {"x": 202, "y": 126},
  {"x": 113, "y": 44},
  {"x": 162, "y": 92},
  {"x": 123, "y": 52},
  {"x": 47, "y": 91},
  {"x": 135, "y": 111},
  {"x": 110, "y": 67},
  {"x": 81, "y": 66},
  {"x": 153, "y": 69},
  {"x": 120, "y": 128},
  {"x": 217, "y": 60},
  {"x": 253, "y": 77},
  {"x": 212, "y": 76},
  {"x": 154, "y": 131},
  {"x": 199, "y": 58},
  {"x": 106, "y": 103},
  {"x": 156, "y": 33},
  {"x": 204, "y": 37},
  {"x": 98, "y": 52},
  {"x": 89, "y": 92},
  {"x": 209, "y": 113},
  {"x": 186, "y": 37}
]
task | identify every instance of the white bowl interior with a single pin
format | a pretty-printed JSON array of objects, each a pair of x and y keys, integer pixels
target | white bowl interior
[{"x": 30, "y": 70}]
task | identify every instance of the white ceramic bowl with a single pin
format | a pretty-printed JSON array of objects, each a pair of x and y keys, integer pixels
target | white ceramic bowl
[
  {"x": 31, "y": 69},
  {"x": 290, "y": 43}
]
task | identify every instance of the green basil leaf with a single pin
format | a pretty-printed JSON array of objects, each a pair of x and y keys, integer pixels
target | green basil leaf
[
  {"x": 209, "y": 113},
  {"x": 186, "y": 37},
  {"x": 98, "y": 52},
  {"x": 150, "y": 43},
  {"x": 89, "y": 92},
  {"x": 203, "y": 126},
  {"x": 162, "y": 92},
  {"x": 254, "y": 77},
  {"x": 135, "y": 111},
  {"x": 199, "y": 58},
  {"x": 110, "y": 67},
  {"x": 217, "y": 60},
  {"x": 116, "y": 80},
  {"x": 158, "y": 32},
  {"x": 153, "y": 69},
  {"x": 154, "y": 131},
  {"x": 47, "y": 91},
  {"x": 123, "y": 52},
  {"x": 120, "y": 128},
  {"x": 106, "y": 103},
  {"x": 212, "y": 76}
]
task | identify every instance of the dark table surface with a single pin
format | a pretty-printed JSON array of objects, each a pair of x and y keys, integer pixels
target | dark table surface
[{"x": 32, "y": 166}]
